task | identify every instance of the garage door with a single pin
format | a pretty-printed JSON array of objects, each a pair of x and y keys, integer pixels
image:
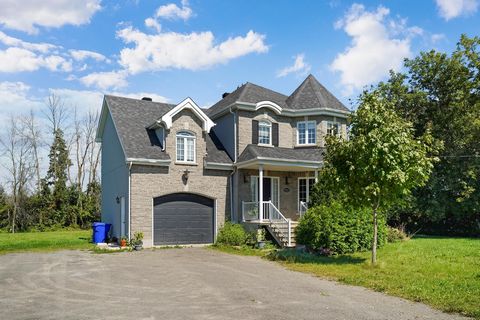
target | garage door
[{"x": 183, "y": 218}]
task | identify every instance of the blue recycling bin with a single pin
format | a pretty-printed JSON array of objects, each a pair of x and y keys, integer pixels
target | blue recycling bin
[{"x": 100, "y": 231}]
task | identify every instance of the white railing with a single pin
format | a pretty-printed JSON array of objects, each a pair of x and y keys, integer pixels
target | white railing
[
  {"x": 302, "y": 208},
  {"x": 276, "y": 217}
]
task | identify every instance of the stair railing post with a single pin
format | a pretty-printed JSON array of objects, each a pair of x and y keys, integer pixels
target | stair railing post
[{"x": 289, "y": 232}]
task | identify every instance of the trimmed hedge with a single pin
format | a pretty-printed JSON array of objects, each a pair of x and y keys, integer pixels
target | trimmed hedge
[
  {"x": 338, "y": 229},
  {"x": 232, "y": 234}
]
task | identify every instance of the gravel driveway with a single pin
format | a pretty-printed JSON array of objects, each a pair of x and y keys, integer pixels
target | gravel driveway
[{"x": 190, "y": 283}]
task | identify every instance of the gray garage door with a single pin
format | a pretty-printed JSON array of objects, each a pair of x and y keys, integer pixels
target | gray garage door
[{"x": 182, "y": 218}]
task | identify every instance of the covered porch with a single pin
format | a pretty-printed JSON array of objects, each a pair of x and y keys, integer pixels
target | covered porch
[{"x": 276, "y": 187}]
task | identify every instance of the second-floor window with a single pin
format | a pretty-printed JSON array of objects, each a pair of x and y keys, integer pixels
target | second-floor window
[
  {"x": 264, "y": 133},
  {"x": 185, "y": 147},
  {"x": 306, "y": 132},
  {"x": 333, "y": 129}
]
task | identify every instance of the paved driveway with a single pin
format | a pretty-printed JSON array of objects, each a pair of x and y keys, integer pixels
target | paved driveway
[{"x": 191, "y": 283}]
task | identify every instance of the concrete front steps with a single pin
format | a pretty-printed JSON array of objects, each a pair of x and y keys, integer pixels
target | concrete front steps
[{"x": 279, "y": 232}]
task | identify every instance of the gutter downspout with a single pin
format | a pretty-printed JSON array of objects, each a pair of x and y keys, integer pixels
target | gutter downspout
[
  {"x": 129, "y": 198},
  {"x": 232, "y": 204}
]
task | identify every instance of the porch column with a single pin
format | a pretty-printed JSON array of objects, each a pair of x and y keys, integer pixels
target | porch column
[{"x": 260, "y": 191}]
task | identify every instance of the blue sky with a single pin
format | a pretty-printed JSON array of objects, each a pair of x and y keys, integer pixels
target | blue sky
[{"x": 81, "y": 49}]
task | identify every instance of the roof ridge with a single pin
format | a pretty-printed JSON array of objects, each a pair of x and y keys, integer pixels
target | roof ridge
[{"x": 135, "y": 99}]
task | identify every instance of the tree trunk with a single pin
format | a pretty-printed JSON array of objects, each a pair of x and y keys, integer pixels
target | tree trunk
[{"x": 375, "y": 236}]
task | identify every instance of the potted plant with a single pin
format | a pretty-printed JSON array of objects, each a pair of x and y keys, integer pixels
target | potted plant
[
  {"x": 137, "y": 241},
  {"x": 123, "y": 242},
  {"x": 261, "y": 238}
]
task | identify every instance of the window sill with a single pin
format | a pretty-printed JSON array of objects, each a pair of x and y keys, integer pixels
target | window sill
[
  {"x": 264, "y": 145},
  {"x": 186, "y": 163}
]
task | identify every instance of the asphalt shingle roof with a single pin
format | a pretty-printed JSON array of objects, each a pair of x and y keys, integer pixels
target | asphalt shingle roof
[
  {"x": 253, "y": 151},
  {"x": 312, "y": 94},
  {"x": 309, "y": 95},
  {"x": 132, "y": 117}
]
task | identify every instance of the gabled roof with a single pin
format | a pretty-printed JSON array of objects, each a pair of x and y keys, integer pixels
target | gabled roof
[
  {"x": 309, "y": 95},
  {"x": 132, "y": 119},
  {"x": 312, "y": 94},
  {"x": 248, "y": 93}
]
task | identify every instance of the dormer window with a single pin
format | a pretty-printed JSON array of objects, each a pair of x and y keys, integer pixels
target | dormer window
[
  {"x": 265, "y": 133},
  {"x": 306, "y": 132},
  {"x": 185, "y": 147},
  {"x": 333, "y": 129}
]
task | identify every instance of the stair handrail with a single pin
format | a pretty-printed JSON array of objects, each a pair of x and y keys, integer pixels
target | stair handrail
[{"x": 274, "y": 210}]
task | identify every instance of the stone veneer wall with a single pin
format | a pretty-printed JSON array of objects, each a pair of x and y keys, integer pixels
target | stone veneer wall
[
  {"x": 148, "y": 182},
  {"x": 287, "y": 127}
]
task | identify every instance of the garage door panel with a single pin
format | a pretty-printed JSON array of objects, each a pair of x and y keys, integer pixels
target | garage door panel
[{"x": 183, "y": 219}]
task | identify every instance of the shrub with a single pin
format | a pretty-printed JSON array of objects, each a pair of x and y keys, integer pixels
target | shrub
[
  {"x": 232, "y": 234},
  {"x": 395, "y": 234},
  {"x": 337, "y": 229}
]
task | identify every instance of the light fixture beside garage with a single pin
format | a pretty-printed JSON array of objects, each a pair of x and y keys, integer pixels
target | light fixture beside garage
[{"x": 185, "y": 176}]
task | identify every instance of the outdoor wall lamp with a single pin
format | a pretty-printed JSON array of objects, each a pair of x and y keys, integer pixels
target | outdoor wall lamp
[
  {"x": 245, "y": 178},
  {"x": 185, "y": 175},
  {"x": 286, "y": 180},
  {"x": 117, "y": 199}
]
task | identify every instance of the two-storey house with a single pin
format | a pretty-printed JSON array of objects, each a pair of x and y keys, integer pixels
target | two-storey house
[{"x": 177, "y": 172}]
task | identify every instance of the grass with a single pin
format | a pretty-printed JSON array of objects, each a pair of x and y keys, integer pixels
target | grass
[
  {"x": 441, "y": 272},
  {"x": 45, "y": 241}
]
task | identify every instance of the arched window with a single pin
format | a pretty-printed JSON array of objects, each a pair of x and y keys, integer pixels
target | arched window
[
  {"x": 265, "y": 132},
  {"x": 185, "y": 147}
]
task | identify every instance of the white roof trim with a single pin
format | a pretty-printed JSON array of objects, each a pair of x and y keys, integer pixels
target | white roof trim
[
  {"x": 188, "y": 103},
  {"x": 280, "y": 162},
  {"x": 152, "y": 162},
  {"x": 269, "y": 104},
  {"x": 218, "y": 166}
]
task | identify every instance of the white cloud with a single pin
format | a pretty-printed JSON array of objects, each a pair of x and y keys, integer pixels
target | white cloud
[
  {"x": 172, "y": 11},
  {"x": 14, "y": 42},
  {"x": 376, "y": 47},
  {"x": 450, "y": 9},
  {"x": 80, "y": 55},
  {"x": 154, "y": 24},
  {"x": 193, "y": 51},
  {"x": 106, "y": 80},
  {"x": 28, "y": 15},
  {"x": 299, "y": 67},
  {"x": 15, "y": 97},
  {"x": 18, "y": 60}
]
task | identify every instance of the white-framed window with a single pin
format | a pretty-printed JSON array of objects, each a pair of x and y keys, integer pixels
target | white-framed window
[
  {"x": 306, "y": 132},
  {"x": 305, "y": 187},
  {"x": 185, "y": 147},
  {"x": 264, "y": 132},
  {"x": 333, "y": 129}
]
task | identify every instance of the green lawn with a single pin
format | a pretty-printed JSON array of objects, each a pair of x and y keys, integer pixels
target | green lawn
[
  {"x": 441, "y": 272},
  {"x": 45, "y": 241}
]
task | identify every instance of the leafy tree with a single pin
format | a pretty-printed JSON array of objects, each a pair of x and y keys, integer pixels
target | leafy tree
[
  {"x": 382, "y": 162},
  {"x": 441, "y": 93}
]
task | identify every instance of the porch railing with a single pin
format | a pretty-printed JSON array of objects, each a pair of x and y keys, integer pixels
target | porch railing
[
  {"x": 303, "y": 207},
  {"x": 251, "y": 210}
]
